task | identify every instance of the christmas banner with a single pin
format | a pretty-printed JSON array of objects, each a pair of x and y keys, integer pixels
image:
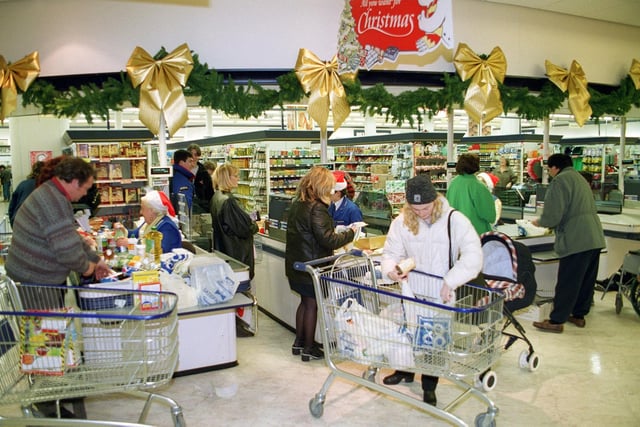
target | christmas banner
[{"x": 386, "y": 34}]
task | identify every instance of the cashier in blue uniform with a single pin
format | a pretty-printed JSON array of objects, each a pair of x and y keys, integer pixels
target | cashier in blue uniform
[{"x": 342, "y": 209}]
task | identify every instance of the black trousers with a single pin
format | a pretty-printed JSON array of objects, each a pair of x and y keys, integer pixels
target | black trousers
[
  {"x": 577, "y": 275},
  {"x": 429, "y": 383}
]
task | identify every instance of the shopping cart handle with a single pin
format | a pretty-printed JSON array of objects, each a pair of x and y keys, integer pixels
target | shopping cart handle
[{"x": 302, "y": 266}]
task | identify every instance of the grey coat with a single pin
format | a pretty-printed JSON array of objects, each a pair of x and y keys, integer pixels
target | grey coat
[{"x": 569, "y": 208}]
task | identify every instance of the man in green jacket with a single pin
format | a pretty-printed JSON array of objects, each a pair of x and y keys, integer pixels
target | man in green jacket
[{"x": 570, "y": 209}]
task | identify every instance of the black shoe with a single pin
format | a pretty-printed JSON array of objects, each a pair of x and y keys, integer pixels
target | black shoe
[
  {"x": 430, "y": 397},
  {"x": 297, "y": 348},
  {"x": 314, "y": 353},
  {"x": 48, "y": 410},
  {"x": 397, "y": 377},
  {"x": 243, "y": 330}
]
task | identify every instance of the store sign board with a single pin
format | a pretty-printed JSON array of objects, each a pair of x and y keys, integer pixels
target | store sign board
[{"x": 383, "y": 34}]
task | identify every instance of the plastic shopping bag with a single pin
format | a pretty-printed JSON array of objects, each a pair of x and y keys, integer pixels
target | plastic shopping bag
[
  {"x": 213, "y": 279},
  {"x": 370, "y": 338},
  {"x": 47, "y": 343},
  {"x": 429, "y": 326}
]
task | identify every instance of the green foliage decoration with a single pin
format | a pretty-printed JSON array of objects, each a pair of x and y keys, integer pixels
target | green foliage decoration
[
  {"x": 529, "y": 106},
  {"x": 252, "y": 100}
]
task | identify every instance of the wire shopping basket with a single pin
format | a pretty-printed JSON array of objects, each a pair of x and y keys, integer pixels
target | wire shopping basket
[
  {"x": 60, "y": 342},
  {"x": 386, "y": 326}
]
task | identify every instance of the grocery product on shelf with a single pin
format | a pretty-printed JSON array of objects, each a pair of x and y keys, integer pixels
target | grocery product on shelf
[{"x": 120, "y": 160}]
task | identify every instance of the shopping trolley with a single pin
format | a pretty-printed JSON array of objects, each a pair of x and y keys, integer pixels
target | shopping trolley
[
  {"x": 627, "y": 279},
  {"x": 59, "y": 342},
  {"x": 386, "y": 327}
]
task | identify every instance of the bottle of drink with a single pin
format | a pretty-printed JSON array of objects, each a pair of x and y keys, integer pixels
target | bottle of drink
[{"x": 153, "y": 245}]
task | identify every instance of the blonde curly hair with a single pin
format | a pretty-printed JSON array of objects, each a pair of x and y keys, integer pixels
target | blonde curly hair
[{"x": 412, "y": 220}]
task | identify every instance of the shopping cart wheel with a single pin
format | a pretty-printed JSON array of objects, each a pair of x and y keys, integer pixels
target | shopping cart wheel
[
  {"x": 487, "y": 380},
  {"x": 618, "y": 303},
  {"x": 634, "y": 296},
  {"x": 529, "y": 361},
  {"x": 316, "y": 407},
  {"x": 370, "y": 374},
  {"x": 485, "y": 420}
]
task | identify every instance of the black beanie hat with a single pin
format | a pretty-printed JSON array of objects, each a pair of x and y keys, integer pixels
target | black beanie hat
[{"x": 420, "y": 190}]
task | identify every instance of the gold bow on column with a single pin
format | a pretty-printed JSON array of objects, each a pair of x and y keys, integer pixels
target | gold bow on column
[
  {"x": 19, "y": 74},
  {"x": 483, "y": 96},
  {"x": 161, "y": 87},
  {"x": 322, "y": 81},
  {"x": 634, "y": 73},
  {"x": 576, "y": 82}
]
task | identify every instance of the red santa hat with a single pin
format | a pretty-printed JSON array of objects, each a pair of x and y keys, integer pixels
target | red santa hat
[
  {"x": 159, "y": 201},
  {"x": 341, "y": 183},
  {"x": 486, "y": 178}
]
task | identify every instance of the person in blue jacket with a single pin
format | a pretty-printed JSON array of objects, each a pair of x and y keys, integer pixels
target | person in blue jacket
[
  {"x": 157, "y": 211},
  {"x": 183, "y": 179},
  {"x": 342, "y": 209}
]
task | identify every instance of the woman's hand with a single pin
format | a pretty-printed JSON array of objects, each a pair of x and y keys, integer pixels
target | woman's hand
[
  {"x": 446, "y": 293},
  {"x": 122, "y": 242},
  {"x": 397, "y": 277}
]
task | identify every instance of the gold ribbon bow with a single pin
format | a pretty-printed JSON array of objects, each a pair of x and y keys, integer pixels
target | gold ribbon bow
[
  {"x": 161, "y": 87},
  {"x": 634, "y": 73},
  {"x": 19, "y": 74},
  {"x": 322, "y": 81},
  {"x": 483, "y": 96},
  {"x": 576, "y": 82}
]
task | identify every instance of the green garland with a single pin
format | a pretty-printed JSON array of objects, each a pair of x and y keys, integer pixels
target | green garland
[{"x": 253, "y": 100}]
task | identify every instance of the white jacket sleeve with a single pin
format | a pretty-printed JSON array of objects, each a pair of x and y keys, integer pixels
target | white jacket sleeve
[
  {"x": 394, "y": 250},
  {"x": 466, "y": 252}
]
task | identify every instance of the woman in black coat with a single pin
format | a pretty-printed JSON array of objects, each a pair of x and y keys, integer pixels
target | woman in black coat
[
  {"x": 310, "y": 235},
  {"x": 233, "y": 228}
]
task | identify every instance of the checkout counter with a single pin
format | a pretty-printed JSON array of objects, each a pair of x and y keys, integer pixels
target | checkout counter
[
  {"x": 207, "y": 334},
  {"x": 622, "y": 234}
]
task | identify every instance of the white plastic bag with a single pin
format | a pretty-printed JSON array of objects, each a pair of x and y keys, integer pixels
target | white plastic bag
[
  {"x": 368, "y": 337},
  {"x": 187, "y": 296},
  {"x": 213, "y": 279}
]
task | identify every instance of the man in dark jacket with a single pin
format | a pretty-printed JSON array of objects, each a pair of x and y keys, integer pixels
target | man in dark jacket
[
  {"x": 183, "y": 177},
  {"x": 202, "y": 183},
  {"x": 569, "y": 208}
]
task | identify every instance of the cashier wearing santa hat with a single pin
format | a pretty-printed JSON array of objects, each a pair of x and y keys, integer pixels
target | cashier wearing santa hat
[
  {"x": 342, "y": 209},
  {"x": 157, "y": 211}
]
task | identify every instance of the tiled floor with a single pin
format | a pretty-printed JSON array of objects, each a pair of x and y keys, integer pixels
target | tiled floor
[{"x": 587, "y": 377}]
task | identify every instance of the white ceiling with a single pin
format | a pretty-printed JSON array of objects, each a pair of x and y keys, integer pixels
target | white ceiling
[{"x": 619, "y": 11}]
